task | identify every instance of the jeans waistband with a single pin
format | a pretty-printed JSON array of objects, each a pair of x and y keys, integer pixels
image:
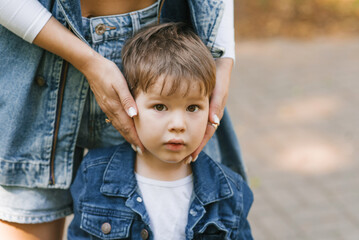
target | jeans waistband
[{"x": 103, "y": 28}]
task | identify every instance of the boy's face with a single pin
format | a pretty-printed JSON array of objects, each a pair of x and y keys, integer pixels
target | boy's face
[{"x": 171, "y": 127}]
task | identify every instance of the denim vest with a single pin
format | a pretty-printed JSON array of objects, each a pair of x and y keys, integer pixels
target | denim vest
[
  {"x": 37, "y": 146},
  {"x": 107, "y": 204}
]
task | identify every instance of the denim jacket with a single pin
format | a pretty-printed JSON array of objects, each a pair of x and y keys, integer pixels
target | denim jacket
[
  {"x": 40, "y": 111},
  {"x": 108, "y": 205}
]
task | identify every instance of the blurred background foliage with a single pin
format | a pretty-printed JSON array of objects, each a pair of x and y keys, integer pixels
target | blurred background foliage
[{"x": 295, "y": 18}]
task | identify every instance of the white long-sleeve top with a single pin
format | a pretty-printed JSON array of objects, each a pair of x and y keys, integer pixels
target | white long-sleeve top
[{"x": 26, "y": 18}]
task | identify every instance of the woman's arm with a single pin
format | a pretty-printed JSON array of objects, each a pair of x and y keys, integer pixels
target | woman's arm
[
  {"x": 31, "y": 21},
  {"x": 105, "y": 79}
]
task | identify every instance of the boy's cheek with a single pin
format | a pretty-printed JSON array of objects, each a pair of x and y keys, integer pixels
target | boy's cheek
[
  {"x": 198, "y": 133},
  {"x": 136, "y": 121}
]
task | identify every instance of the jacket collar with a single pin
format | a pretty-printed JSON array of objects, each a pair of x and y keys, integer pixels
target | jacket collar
[
  {"x": 119, "y": 177},
  {"x": 210, "y": 182}
]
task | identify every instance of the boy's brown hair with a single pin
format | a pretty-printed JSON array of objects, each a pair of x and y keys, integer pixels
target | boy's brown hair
[{"x": 172, "y": 51}]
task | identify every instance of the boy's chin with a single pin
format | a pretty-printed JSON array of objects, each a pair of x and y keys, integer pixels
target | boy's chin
[
  {"x": 167, "y": 157},
  {"x": 174, "y": 161}
]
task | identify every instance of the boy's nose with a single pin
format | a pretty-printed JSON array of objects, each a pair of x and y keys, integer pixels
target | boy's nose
[{"x": 177, "y": 123}]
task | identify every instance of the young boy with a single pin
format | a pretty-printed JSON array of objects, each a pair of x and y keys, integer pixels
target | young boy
[{"x": 121, "y": 194}]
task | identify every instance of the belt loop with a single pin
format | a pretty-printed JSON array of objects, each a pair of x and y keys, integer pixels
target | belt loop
[
  {"x": 95, "y": 38},
  {"x": 135, "y": 22}
]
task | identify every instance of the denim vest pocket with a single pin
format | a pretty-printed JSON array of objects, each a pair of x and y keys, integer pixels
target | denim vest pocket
[{"x": 105, "y": 226}]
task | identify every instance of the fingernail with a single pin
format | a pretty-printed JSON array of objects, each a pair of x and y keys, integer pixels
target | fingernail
[
  {"x": 134, "y": 147},
  {"x": 139, "y": 151},
  {"x": 189, "y": 160},
  {"x": 216, "y": 119},
  {"x": 132, "y": 112},
  {"x": 195, "y": 159}
]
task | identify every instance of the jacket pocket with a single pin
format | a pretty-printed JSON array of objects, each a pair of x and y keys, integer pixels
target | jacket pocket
[
  {"x": 105, "y": 227},
  {"x": 212, "y": 232}
]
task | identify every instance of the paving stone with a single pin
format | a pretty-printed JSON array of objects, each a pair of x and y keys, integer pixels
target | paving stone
[{"x": 294, "y": 108}]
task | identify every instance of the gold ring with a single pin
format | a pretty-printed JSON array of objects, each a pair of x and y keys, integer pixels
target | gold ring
[
  {"x": 107, "y": 120},
  {"x": 215, "y": 125}
]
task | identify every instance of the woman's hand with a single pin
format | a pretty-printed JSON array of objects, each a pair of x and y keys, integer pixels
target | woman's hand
[
  {"x": 217, "y": 103},
  {"x": 113, "y": 96},
  {"x": 105, "y": 79}
]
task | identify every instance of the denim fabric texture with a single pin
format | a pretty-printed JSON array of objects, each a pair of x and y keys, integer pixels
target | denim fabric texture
[
  {"x": 105, "y": 192},
  {"x": 30, "y": 83},
  {"x": 83, "y": 125},
  {"x": 26, "y": 205}
]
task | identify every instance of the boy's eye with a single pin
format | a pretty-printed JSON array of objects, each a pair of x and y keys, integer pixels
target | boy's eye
[
  {"x": 160, "y": 107},
  {"x": 192, "y": 108}
]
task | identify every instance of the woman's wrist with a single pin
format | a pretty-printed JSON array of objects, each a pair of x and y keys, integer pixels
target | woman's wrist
[
  {"x": 87, "y": 61},
  {"x": 223, "y": 76}
]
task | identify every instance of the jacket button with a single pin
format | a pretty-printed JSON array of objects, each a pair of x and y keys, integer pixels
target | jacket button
[
  {"x": 193, "y": 212},
  {"x": 144, "y": 234},
  {"x": 100, "y": 29},
  {"x": 40, "y": 81},
  {"x": 106, "y": 228}
]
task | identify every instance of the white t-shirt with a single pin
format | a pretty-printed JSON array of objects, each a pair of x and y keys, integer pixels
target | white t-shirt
[
  {"x": 167, "y": 204},
  {"x": 26, "y": 18}
]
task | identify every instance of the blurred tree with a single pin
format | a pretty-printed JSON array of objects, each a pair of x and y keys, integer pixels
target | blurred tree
[{"x": 295, "y": 18}]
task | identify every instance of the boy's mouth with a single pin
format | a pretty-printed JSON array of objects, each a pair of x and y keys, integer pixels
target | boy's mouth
[
  {"x": 176, "y": 141},
  {"x": 175, "y": 144}
]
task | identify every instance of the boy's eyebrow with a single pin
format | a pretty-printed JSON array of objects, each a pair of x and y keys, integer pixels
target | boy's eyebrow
[
  {"x": 156, "y": 96},
  {"x": 185, "y": 94}
]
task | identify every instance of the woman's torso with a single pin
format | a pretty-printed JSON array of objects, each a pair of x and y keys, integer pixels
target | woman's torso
[
  {"x": 26, "y": 111},
  {"x": 94, "y": 8}
]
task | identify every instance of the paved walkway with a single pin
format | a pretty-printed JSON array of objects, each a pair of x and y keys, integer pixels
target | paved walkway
[{"x": 294, "y": 105}]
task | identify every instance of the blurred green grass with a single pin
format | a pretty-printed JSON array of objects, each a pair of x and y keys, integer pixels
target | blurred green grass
[{"x": 295, "y": 18}]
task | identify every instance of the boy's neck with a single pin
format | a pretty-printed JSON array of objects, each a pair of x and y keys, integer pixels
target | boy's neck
[{"x": 148, "y": 166}]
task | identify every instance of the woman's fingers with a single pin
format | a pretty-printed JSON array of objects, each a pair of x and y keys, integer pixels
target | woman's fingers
[
  {"x": 207, "y": 136},
  {"x": 218, "y": 101},
  {"x": 114, "y": 98},
  {"x": 216, "y": 109},
  {"x": 126, "y": 99},
  {"x": 124, "y": 124},
  {"x": 128, "y": 105}
]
